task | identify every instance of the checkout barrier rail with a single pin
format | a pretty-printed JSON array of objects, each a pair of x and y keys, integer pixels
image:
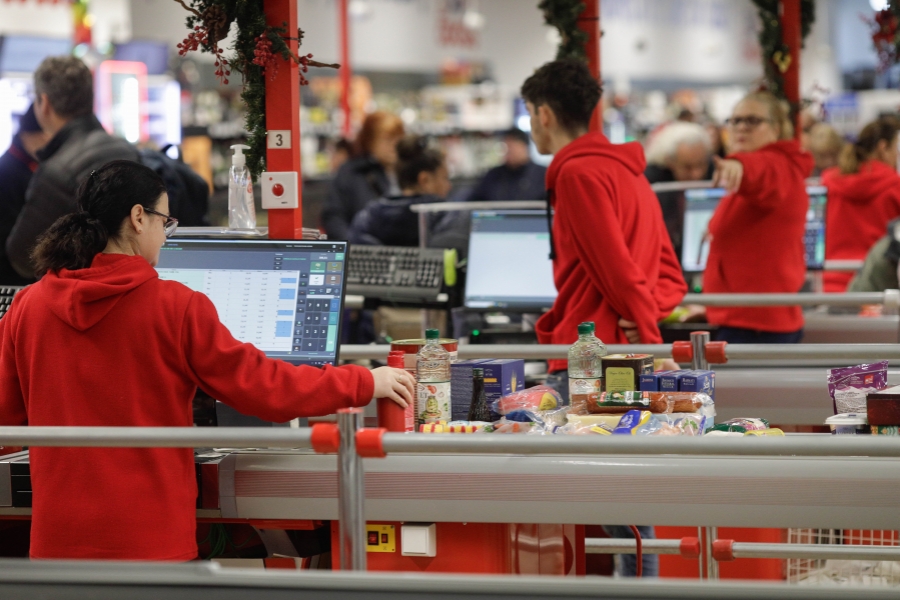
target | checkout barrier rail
[
  {"x": 353, "y": 443},
  {"x": 682, "y": 352}
]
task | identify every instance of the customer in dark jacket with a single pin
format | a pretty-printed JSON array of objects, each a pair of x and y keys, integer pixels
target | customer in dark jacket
[
  {"x": 64, "y": 103},
  {"x": 17, "y": 165},
  {"x": 518, "y": 178},
  {"x": 370, "y": 175},
  {"x": 423, "y": 178}
]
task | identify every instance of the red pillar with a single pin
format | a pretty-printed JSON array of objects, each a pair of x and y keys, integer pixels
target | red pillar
[
  {"x": 589, "y": 22},
  {"x": 283, "y": 114},
  {"x": 345, "y": 71},
  {"x": 790, "y": 37}
]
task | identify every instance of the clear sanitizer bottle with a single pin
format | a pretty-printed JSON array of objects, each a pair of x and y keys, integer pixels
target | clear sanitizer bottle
[{"x": 241, "y": 210}]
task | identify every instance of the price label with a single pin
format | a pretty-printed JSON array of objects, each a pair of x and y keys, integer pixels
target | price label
[{"x": 279, "y": 139}]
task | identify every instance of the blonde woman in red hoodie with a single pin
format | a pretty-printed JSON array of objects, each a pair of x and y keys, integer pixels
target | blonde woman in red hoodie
[
  {"x": 101, "y": 340},
  {"x": 863, "y": 197},
  {"x": 757, "y": 231}
]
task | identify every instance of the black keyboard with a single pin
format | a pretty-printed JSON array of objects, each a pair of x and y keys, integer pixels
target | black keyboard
[
  {"x": 6, "y": 298},
  {"x": 396, "y": 273}
]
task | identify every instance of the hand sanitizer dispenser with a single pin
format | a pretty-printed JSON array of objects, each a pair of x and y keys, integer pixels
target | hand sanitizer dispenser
[{"x": 241, "y": 210}]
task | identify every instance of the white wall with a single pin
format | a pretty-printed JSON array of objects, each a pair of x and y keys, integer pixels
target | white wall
[{"x": 112, "y": 19}]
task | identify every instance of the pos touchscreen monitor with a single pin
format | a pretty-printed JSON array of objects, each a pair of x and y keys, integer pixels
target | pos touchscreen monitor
[{"x": 283, "y": 296}]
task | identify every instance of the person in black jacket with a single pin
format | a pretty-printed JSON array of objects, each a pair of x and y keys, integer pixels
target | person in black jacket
[
  {"x": 64, "y": 104},
  {"x": 17, "y": 165},
  {"x": 423, "y": 178},
  {"x": 518, "y": 178},
  {"x": 367, "y": 176},
  {"x": 680, "y": 151}
]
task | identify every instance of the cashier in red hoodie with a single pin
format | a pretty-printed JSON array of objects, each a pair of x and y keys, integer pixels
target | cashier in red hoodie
[
  {"x": 613, "y": 263},
  {"x": 756, "y": 233},
  {"x": 863, "y": 197},
  {"x": 101, "y": 340}
]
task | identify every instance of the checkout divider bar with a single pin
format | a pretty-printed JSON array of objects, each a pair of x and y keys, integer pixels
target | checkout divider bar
[{"x": 158, "y": 437}]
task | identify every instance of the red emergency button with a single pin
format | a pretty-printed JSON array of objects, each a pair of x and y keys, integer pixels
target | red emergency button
[{"x": 278, "y": 190}]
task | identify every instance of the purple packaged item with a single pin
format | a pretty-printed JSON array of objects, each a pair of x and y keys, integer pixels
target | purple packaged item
[{"x": 848, "y": 386}]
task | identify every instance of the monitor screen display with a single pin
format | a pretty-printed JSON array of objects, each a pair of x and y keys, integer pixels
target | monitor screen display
[
  {"x": 23, "y": 53},
  {"x": 700, "y": 204},
  {"x": 509, "y": 261},
  {"x": 284, "y": 297}
]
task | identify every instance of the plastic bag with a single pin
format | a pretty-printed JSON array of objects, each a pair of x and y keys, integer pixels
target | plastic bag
[
  {"x": 742, "y": 425},
  {"x": 848, "y": 386},
  {"x": 538, "y": 398}
]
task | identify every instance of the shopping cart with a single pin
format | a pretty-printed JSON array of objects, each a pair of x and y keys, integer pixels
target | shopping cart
[{"x": 843, "y": 571}]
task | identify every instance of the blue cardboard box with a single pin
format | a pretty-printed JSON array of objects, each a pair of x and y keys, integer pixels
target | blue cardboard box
[
  {"x": 699, "y": 381},
  {"x": 650, "y": 381},
  {"x": 461, "y": 387},
  {"x": 501, "y": 378},
  {"x": 669, "y": 382}
]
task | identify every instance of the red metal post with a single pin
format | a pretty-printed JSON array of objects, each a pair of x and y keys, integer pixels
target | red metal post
[
  {"x": 345, "y": 71},
  {"x": 589, "y": 22},
  {"x": 283, "y": 114},
  {"x": 790, "y": 37}
]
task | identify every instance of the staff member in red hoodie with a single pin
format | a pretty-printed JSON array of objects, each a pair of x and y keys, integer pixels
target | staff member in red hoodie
[
  {"x": 757, "y": 231},
  {"x": 863, "y": 197},
  {"x": 100, "y": 340},
  {"x": 613, "y": 262}
]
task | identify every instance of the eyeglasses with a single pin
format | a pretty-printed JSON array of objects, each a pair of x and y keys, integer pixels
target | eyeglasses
[
  {"x": 752, "y": 121},
  {"x": 171, "y": 223}
]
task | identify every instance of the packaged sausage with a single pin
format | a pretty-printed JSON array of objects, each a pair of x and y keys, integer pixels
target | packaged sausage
[{"x": 655, "y": 402}]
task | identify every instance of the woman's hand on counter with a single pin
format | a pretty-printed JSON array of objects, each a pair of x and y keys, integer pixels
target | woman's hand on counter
[
  {"x": 396, "y": 384},
  {"x": 729, "y": 174}
]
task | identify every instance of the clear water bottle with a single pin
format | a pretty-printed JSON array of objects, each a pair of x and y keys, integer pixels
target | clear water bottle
[
  {"x": 585, "y": 366},
  {"x": 433, "y": 375},
  {"x": 241, "y": 208}
]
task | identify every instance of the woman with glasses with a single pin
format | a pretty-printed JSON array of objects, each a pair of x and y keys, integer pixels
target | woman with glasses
[
  {"x": 757, "y": 231},
  {"x": 101, "y": 340}
]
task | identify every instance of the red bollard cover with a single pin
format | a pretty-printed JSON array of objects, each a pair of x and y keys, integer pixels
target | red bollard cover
[
  {"x": 723, "y": 550},
  {"x": 690, "y": 547},
  {"x": 682, "y": 352},
  {"x": 326, "y": 439},
  {"x": 716, "y": 353},
  {"x": 368, "y": 443}
]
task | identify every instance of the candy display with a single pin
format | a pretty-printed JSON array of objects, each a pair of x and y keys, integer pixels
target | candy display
[{"x": 848, "y": 386}]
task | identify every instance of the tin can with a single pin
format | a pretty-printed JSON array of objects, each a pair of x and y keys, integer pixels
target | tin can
[{"x": 391, "y": 415}]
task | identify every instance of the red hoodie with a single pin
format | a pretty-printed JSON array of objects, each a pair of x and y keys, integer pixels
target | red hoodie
[
  {"x": 113, "y": 345},
  {"x": 859, "y": 207},
  {"x": 614, "y": 258},
  {"x": 757, "y": 238}
]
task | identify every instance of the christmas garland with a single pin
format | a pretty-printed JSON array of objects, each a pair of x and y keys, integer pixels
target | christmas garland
[
  {"x": 775, "y": 53},
  {"x": 564, "y": 15},
  {"x": 885, "y": 36},
  {"x": 257, "y": 49}
]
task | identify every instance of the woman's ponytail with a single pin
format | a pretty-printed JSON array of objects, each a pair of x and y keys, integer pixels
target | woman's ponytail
[
  {"x": 849, "y": 159},
  {"x": 104, "y": 200},
  {"x": 70, "y": 243}
]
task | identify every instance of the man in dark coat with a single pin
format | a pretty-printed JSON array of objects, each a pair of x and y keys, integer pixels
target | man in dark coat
[
  {"x": 64, "y": 104},
  {"x": 17, "y": 165},
  {"x": 518, "y": 178}
]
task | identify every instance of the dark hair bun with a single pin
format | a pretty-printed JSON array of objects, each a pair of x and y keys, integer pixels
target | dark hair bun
[{"x": 410, "y": 148}]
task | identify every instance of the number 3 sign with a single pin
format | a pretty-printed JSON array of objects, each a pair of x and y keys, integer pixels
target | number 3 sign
[{"x": 279, "y": 139}]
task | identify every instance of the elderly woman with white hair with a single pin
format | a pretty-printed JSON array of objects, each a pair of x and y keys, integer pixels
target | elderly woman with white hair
[{"x": 680, "y": 151}]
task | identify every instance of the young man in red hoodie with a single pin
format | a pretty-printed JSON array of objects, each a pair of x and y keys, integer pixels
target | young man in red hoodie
[{"x": 613, "y": 262}]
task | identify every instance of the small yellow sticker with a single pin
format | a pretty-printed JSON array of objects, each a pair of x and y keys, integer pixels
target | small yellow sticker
[{"x": 380, "y": 538}]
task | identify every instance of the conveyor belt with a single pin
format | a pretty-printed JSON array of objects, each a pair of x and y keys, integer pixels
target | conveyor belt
[
  {"x": 118, "y": 581},
  {"x": 829, "y": 492}
]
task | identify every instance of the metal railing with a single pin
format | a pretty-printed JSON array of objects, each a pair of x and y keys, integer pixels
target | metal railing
[{"x": 355, "y": 442}]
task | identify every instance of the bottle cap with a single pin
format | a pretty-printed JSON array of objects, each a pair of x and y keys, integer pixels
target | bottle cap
[
  {"x": 238, "y": 159},
  {"x": 432, "y": 334},
  {"x": 477, "y": 372},
  {"x": 585, "y": 328},
  {"x": 395, "y": 361}
]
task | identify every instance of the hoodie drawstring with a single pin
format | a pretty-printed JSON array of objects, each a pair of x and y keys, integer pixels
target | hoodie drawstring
[{"x": 550, "y": 223}]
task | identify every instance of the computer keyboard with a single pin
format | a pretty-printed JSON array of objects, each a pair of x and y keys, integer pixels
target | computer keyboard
[
  {"x": 6, "y": 298},
  {"x": 396, "y": 273}
]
